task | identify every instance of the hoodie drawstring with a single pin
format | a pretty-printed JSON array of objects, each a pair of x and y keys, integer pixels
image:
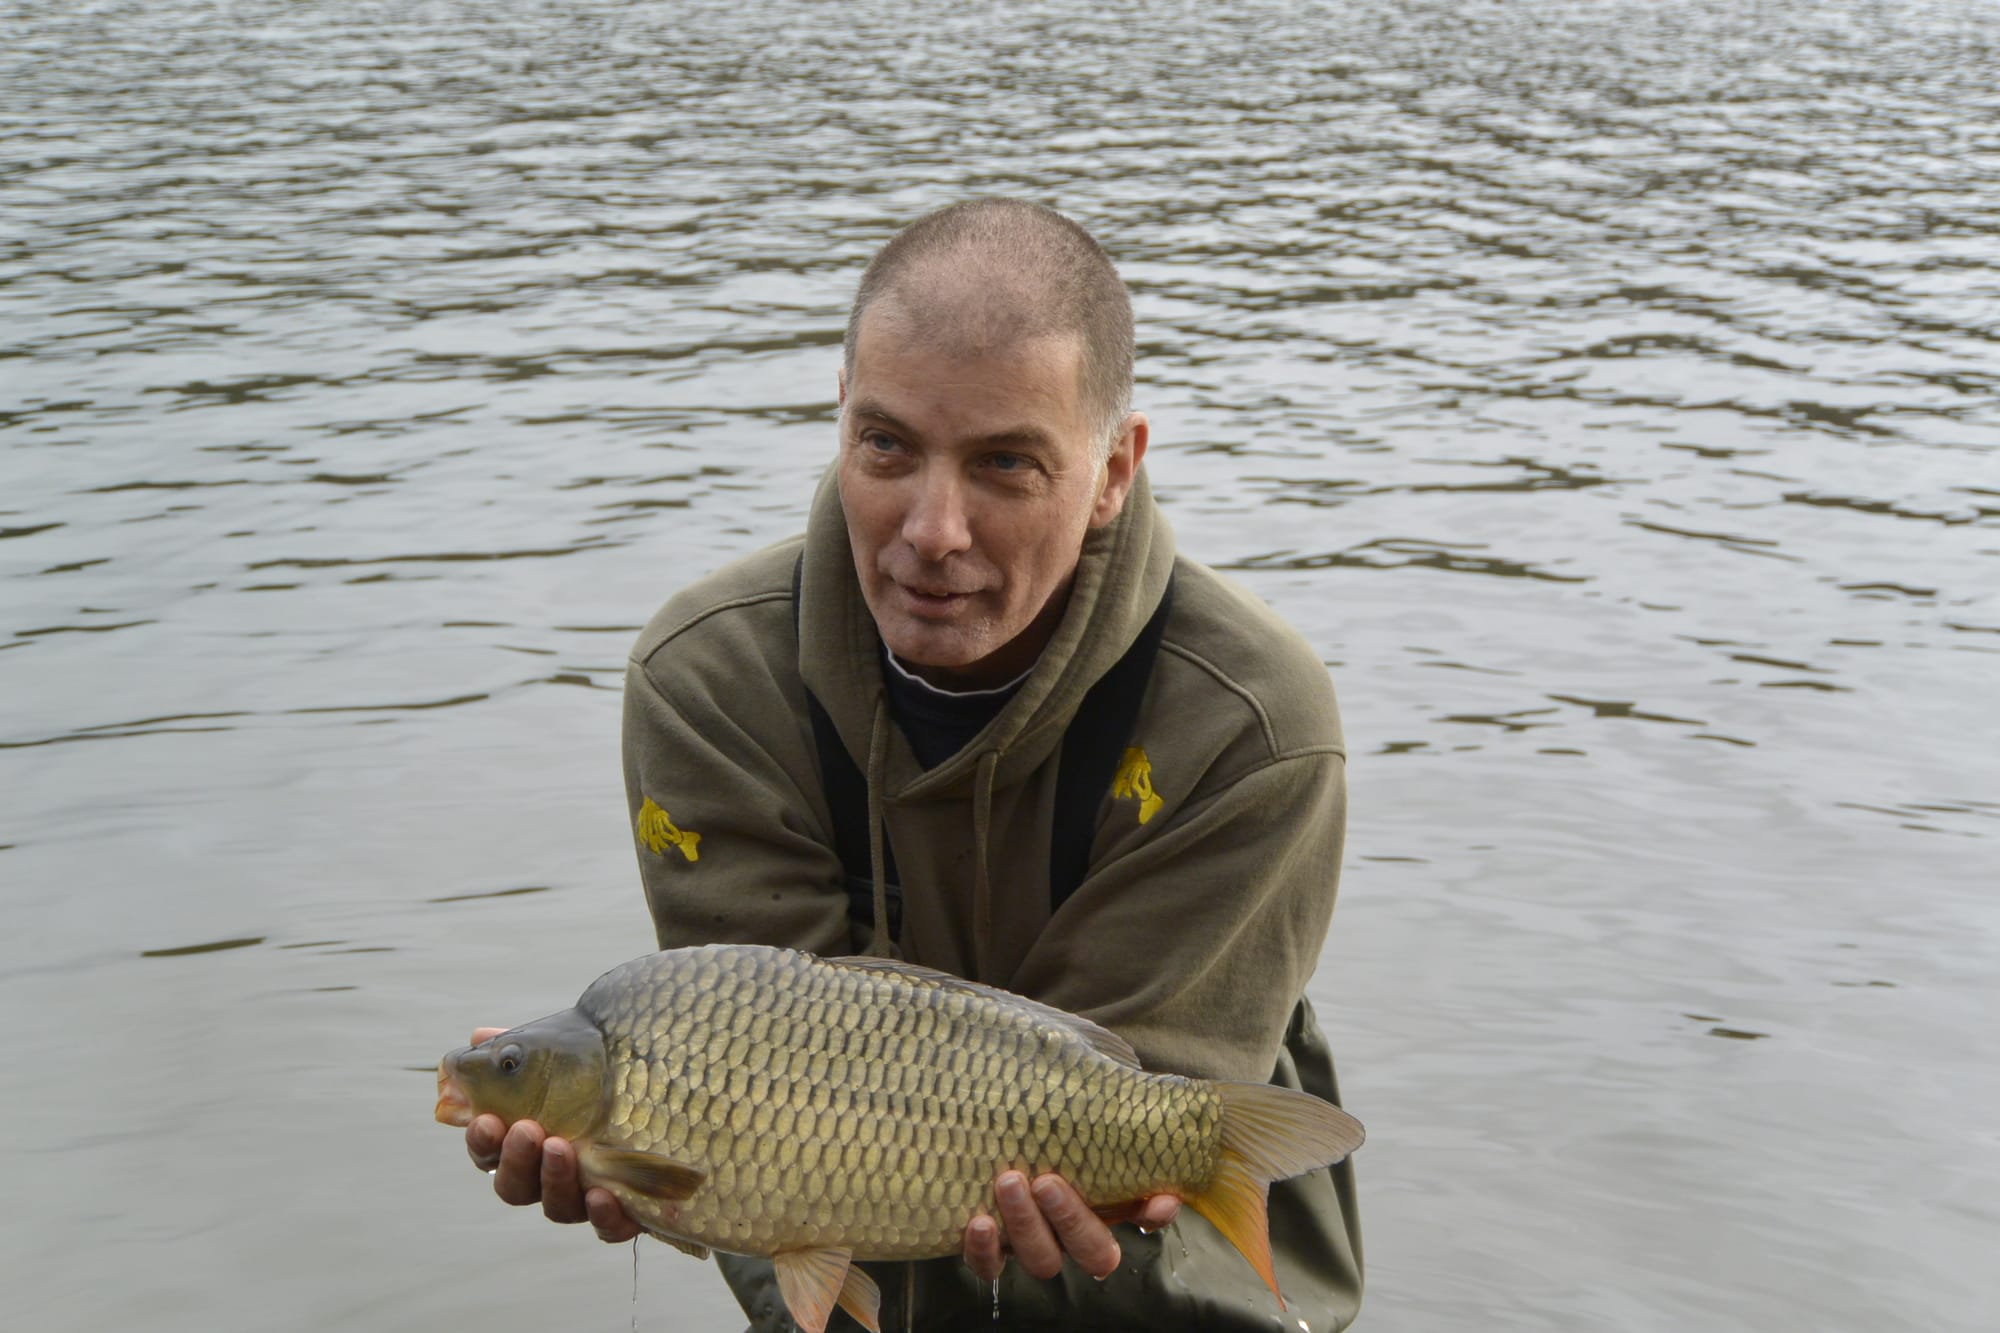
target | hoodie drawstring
[{"x": 883, "y": 945}]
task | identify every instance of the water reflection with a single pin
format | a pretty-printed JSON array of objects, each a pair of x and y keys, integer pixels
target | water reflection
[
  {"x": 213, "y": 946},
  {"x": 491, "y": 893},
  {"x": 1383, "y": 553},
  {"x": 371, "y": 368}
]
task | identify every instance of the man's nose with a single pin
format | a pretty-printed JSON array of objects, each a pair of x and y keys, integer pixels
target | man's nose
[{"x": 936, "y": 525}]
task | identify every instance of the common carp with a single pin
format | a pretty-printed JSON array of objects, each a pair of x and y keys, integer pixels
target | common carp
[{"x": 815, "y": 1111}]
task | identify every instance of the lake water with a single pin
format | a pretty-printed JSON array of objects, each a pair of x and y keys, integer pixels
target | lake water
[{"x": 1611, "y": 391}]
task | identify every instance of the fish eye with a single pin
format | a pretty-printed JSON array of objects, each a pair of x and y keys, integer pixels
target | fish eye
[{"x": 510, "y": 1059}]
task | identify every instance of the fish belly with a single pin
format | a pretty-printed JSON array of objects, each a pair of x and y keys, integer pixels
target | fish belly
[{"x": 837, "y": 1106}]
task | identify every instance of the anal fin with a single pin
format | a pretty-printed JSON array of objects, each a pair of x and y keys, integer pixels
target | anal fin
[
  {"x": 814, "y": 1281},
  {"x": 860, "y": 1297}
]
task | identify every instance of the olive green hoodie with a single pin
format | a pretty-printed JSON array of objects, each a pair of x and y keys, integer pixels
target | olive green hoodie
[{"x": 1210, "y": 885}]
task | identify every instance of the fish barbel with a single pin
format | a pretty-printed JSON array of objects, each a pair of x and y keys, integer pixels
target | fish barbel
[{"x": 815, "y": 1111}]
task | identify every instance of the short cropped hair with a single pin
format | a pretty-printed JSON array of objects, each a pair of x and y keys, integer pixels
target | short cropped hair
[{"x": 1041, "y": 274}]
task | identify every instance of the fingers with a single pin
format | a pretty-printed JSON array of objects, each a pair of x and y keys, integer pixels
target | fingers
[
  {"x": 608, "y": 1219},
  {"x": 530, "y": 1166},
  {"x": 562, "y": 1189},
  {"x": 1160, "y": 1211},
  {"x": 1028, "y": 1233},
  {"x": 482, "y": 1141},
  {"x": 518, "y": 1178},
  {"x": 983, "y": 1254},
  {"x": 1081, "y": 1232},
  {"x": 1044, "y": 1222},
  {"x": 481, "y": 1035},
  {"x": 1049, "y": 1221}
]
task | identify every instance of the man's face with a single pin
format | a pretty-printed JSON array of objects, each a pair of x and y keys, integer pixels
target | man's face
[{"x": 969, "y": 480}]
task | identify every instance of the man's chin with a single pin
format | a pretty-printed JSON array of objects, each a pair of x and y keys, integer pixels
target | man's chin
[
  {"x": 950, "y": 656},
  {"x": 933, "y": 648}
]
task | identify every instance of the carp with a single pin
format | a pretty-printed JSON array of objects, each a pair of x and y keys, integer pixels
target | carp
[{"x": 817, "y": 1111}]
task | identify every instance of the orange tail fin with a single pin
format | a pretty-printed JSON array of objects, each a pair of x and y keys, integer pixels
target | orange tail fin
[{"x": 1268, "y": 1134}]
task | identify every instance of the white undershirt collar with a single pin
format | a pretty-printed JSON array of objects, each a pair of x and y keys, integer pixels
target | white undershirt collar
[{"x": 915, "y": 679}]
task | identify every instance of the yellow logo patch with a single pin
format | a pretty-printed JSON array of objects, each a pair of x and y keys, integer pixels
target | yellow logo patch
[
  {"x": 1135, "y": 782},
  {"x": 657, "y": 832}
]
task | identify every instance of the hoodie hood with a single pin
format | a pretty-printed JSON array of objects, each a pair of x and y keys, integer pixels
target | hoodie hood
[
  {"x": 1211, "y": 880},
  {"x": 1122, "y": 573}
]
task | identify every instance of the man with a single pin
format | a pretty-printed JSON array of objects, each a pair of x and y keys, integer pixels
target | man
[{"x": 890, "y": 736}]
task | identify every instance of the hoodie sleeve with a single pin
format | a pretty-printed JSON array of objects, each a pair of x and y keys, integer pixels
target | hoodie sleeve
[
  {"x": 730, "y": 843},
  {"x": 1196, "y": 943}
]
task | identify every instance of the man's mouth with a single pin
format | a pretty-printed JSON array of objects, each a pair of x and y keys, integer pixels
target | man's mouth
[{"x": 936, "y": 598}]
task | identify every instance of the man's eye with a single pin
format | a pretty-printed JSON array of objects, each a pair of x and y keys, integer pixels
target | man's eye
[
  {"x": 877, "y": 441},
  {"x": 1007, "y": 462}
]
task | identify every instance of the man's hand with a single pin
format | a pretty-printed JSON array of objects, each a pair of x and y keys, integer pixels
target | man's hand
[
  {"x": 528, "y": 1166},
  {"x": 1046, "y": 1221}
]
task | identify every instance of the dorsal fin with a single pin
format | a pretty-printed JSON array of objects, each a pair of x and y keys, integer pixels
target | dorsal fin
[{"x": 1102, "y": 1040}]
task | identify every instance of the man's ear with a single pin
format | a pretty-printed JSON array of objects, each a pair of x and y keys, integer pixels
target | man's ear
[
  {"x": 840, "y": 399},
  {"x": 1119, "y": 469}
]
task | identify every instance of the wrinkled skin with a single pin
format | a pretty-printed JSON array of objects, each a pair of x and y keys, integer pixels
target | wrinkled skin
[{"x": 968, "y": 479}]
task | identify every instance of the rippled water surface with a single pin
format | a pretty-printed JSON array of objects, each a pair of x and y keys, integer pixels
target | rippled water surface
[{"x": 1609, "y": 390}]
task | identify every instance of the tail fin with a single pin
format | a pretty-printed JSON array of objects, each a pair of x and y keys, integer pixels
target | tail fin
[{"x": 1268, "y": 1134}]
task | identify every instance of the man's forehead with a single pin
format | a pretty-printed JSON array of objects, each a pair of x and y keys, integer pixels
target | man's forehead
[
  {"x": 974, "y": 310},
  {"x": 1027, "y": 391}
]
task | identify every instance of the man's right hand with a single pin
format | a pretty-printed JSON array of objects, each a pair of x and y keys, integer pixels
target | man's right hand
[{"x": 529, "y": 1166}]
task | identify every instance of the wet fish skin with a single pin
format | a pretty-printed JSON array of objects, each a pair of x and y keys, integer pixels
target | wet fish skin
[
  {"x": 764, "y": 1101},
  {"x": 871, "y": 1108}
]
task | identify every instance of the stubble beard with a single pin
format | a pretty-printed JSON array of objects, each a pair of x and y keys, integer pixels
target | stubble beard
[{"x": 952, "y": 646}]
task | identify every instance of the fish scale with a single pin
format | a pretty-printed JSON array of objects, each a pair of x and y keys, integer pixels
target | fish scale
[
  {"x": 873, "y": 1108},
  {"x": 814, "y": 1111}
]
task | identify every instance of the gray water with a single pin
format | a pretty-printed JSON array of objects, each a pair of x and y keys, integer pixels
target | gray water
[{"x": 1608, "y": 390}]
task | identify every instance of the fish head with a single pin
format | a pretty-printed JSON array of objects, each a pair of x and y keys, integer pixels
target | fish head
[{"x": 553, "y": 1071}]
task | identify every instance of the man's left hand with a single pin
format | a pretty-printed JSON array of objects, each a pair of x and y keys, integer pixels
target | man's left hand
[{"x": 1046, "y": 1221}]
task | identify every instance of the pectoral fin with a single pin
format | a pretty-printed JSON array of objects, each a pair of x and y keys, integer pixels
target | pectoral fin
[
  {"x": 645, "y": 1173},
  {"x": 814, "y": 1281}
]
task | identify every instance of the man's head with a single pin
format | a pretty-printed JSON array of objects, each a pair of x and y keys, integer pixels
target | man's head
[
  {"x": 1040, "y": 274},
  {"x": 984, "y": 431}
]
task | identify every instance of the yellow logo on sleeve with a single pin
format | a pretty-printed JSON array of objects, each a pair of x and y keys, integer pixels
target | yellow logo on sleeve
[
  {"x": 657, "y": 832},
  {"x": 1135, "y": 782}
]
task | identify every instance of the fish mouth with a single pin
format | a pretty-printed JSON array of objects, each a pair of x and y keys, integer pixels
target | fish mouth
[{"x": 453, "y": 1106}]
